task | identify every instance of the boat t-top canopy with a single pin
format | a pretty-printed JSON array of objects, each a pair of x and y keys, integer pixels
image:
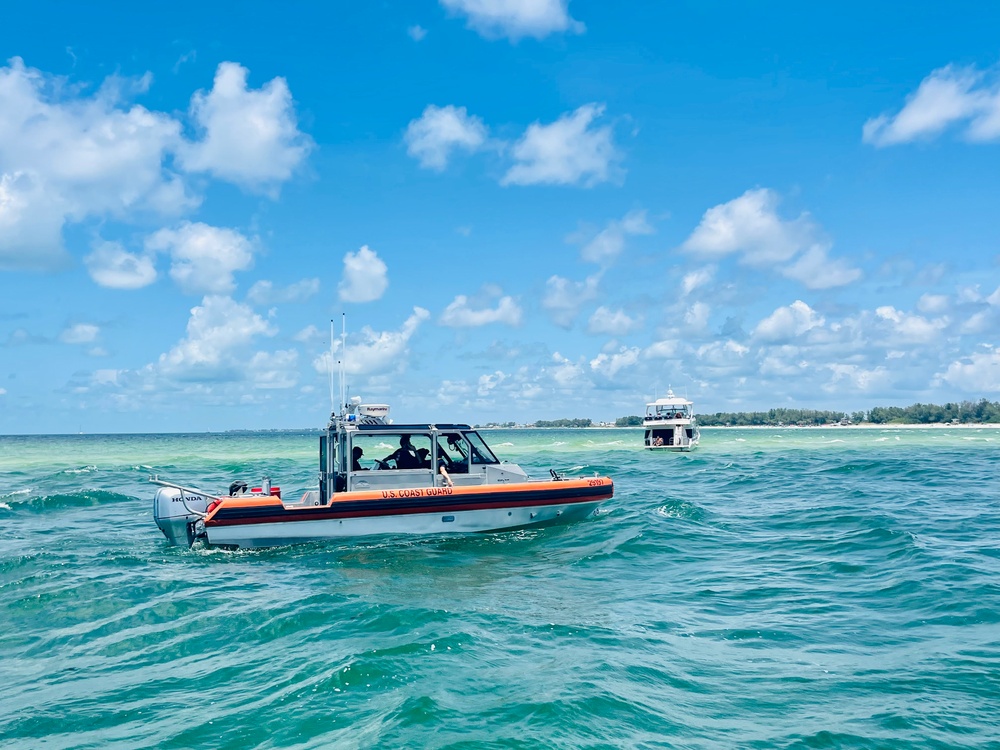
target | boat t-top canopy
[
  {"x": 670, "y": 401},
  {"x": 363, "y": 427}
]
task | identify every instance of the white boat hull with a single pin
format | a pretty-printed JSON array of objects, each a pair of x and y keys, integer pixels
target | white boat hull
[
  {"x": 459, "y": 521},
  {"x": 673, "y": 448}
]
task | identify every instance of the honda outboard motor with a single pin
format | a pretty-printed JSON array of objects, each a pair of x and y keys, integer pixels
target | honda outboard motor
[{"x": 176, "y": 522}]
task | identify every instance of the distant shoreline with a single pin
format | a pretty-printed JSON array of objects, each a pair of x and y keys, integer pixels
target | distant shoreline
[{"x": 863, "y": 426}]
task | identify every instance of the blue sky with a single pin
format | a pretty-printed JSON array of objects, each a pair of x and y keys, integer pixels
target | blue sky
[{"x": 528, "y": 209}]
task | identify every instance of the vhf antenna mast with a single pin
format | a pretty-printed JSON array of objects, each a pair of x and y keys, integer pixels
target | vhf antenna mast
[
  {"x": 333, "y": 402},
  {"x": 343, "y": 364}
]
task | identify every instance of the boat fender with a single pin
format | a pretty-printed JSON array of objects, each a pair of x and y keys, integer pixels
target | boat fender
[{"x": 212, "y": 506}]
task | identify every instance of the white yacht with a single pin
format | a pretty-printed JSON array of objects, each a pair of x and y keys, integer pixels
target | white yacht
[{"x": 670, "y": 424}]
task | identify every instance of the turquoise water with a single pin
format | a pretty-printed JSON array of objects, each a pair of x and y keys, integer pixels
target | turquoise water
[{"x": 811, "y": 588}]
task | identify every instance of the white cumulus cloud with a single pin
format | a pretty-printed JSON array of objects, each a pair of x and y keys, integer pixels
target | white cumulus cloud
[
  {"x": 440, "y": 131},
  {"x": 81, "y": 333},
  {"x": 612, "y": 322},
  {"x": 112, "y": 266},
  {"x": 976, "y": 374},
  {"x": 611, "y": 365},
  {"x": 564, "y": 298},
  {"x": 664, "y": 349},
  {"x": 564, "y": 371},
  {"x": 516, "y": 18},
  {"x": 274, "y": 370},
  {"x": 814, "y": 269},
  {"x": 203, "y": 258},
  {"x": 566, "y": 152},
  {"x": 697, "y": 278},
  {"x": 788, "y": 322},
  {"x": 489, "y": 382},
  {"x": 249, "y": 136},
  {"x": 220, "y": 333},
  {"x": 265, "y": 293},
  {"x": 949, "y": 96},
  {"x": 608, "y": 244},
  {"x": 459, "y": 314},
  {"x": 365, "y": 277},
  {"x": 910, "y": 328},
  {"x": 933, "y": 304},
  {"x": 696, "y": 316},
  {"x": 65, "y": 157},
  {"x": 856, "y": 379},
  {"x": 308, "y": 335},
  {"x": 750, "y": 228},
  {"x": 376, "y": 351}
]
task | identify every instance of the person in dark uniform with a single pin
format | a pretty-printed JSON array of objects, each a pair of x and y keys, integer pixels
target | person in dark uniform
[
  {"x": 356, "y": 459},
  {"x": 404, "y": 456}
]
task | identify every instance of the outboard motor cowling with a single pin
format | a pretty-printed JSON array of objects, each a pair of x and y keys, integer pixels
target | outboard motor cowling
[{"x": 176, "y": 522}]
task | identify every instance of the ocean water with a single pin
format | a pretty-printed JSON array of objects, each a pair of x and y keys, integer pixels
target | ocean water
[{"x": 797, "y": 588}]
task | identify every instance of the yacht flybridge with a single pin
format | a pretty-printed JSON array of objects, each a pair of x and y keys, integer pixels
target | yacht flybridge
[
  {"x": 376, "y": 477},
  {"x": 670, "y": 424}
]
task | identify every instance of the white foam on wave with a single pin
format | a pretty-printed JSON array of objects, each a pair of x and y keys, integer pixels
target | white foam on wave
[
  {"x": 882, "y": 439},
  {"x": 84, "y": 470},
  {"x": 559, "y": 442},
  {"x": 741, "y": 440},
  {"x": 505, "y": 445},
  {"x": 576, "y": 468},
  {"x": 4, "y": 506},
  {"x": 835, "y": 440}
]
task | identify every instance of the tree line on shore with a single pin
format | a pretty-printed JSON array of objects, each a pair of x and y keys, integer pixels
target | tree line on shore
[
  {"x": 963, "y": 412},
  {"x": 956, "y": 412},
  {"x": 564, "y": 423}
]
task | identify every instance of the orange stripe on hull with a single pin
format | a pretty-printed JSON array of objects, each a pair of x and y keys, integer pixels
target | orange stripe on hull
[{"x": 435, "y": 498}]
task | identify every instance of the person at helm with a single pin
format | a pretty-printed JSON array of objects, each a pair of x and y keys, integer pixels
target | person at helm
[{"x": 404, "y": 456}]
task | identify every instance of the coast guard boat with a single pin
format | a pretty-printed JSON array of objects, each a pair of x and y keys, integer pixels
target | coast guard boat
[
  {"x": 670, "y": 424},
  {"x": 376, "y": 477}
]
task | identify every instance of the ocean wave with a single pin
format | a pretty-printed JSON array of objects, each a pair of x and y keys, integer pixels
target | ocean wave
[
  {"x": 724, "y": 593},
  {"x": 81, "y": 470},
  {"x": 78, "y": 499}
]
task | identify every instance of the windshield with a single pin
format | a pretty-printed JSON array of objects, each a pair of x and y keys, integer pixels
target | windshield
[
  {"x": 481, "y": 454},
  {"x": 387, "y": 450}
]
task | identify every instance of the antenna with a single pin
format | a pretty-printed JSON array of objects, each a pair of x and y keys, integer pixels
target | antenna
[
  {"x": 343, "y": 355},
  {"x": 333, "y": 404}
]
